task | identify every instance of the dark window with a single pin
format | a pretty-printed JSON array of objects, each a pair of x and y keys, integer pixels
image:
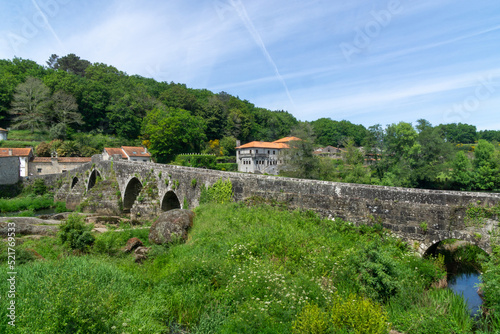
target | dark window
[
  {"x": 38, "y": 170},
  {"x": 64, "y": 170},
  {"x": 268, "y": 152}
]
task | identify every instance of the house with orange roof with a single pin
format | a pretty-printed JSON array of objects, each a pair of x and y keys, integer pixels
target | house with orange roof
[
  {"x": 24, "y": 155},
  {"x": 129, "y": 153},
  {"x": 262, "y": 157},
  {"x": 55, "y": 164}
]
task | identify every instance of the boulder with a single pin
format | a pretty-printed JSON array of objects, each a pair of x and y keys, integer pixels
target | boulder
[
  {"x": 132, "y": 244},
  {"x": 171, "y": 226},
  {"x": 140, "y": 254}
]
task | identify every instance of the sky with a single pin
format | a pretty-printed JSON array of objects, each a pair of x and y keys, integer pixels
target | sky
[{"x": 365, "y": 61}]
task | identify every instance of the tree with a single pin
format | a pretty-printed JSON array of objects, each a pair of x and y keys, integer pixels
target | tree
[
  {"x": 170, "y": 131},
  {"x": 65, "y": 109},
  {"x": 486, "y": 166},
  {"x": 299, "y": 159},
  {"x": 461, "y": 175},
  {"x": 31, "y": 105},
  {"x": 70, "y": 63}
]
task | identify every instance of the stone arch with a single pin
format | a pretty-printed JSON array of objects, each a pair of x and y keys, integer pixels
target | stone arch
[
  {"x": 132, "y": 190},
  {"x": 430, "y": 247},
  {"x": 170, "y": 201},
  {"x": 93, "y": 179},
  {"x": 74, "y": 182}
]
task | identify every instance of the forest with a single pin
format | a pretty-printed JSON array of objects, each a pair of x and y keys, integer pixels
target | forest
[{"x": 77, "y": 107}]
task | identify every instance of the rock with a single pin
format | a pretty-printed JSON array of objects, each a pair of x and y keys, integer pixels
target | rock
[
  {"x": 171, "y": 226},
  {"x": 26, "y": 228},
  {"x": 140, "y": 253},
  {"x": 100, "y": 229},
  {"x": 103, "y": 219},
  {"x": 132, "y": 244}
]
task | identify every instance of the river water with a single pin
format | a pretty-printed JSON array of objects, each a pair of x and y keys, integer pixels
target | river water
[{"x": 465, "y": 284}]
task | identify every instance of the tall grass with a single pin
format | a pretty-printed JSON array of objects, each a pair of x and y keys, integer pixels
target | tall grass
[
  {"x": 30, "y": 203},
  {"x": 242, "y": 270}
]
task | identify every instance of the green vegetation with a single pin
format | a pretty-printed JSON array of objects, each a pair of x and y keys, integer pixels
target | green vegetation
[
  {"x": 75, "y": 234},
  {"x": 242, "y": 270},
  {"x": 220, "y": 192},
  {"x": 195, "y": 160}
]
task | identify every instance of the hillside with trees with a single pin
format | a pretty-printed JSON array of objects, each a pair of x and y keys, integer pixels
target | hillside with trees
[{"x": 76, "y": 108}]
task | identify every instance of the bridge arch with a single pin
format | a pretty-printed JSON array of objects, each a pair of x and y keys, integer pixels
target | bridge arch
[
  {"x": 132, "y": 190},
  {"x": 93, "y": 179},
  {"x": 74, "y": 182},
  {"x": 170, "y": 201}
]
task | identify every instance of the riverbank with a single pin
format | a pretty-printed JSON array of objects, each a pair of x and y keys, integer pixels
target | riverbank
[{"x": 242, "y": 270}]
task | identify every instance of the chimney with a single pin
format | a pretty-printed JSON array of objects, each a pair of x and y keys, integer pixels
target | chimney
[
  {"x": 238, "y": 143},
  {"x": 10, "y": 152}
]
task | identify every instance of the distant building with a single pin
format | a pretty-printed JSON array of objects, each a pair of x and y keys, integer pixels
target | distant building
[
  {"x": 263, "y": 157},
  {"x": 330, "y": 152},
  {"x": 55, "y": 164},
  {"x": 24, "y": 155},
  {"x": 3, "y": 134},
  {"x": 130, "y": 153}
]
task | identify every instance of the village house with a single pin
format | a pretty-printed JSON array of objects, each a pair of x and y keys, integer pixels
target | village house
[
  {"x": 330, "y": 152},
  {"x": 263, "y": 157},
  {"x": 3, "y": 134},
  {"x": 24, "y": 155},
  {"x": 55, "y": 164},
  {"x": 129, "y": 153}
]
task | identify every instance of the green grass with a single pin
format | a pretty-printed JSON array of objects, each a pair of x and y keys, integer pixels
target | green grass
[
  {"x": 30, "y": 204},
  {"x": 26, "y": 135},
  {"x": 242, "y": 270},
  {"x": 18, "y": 143}
]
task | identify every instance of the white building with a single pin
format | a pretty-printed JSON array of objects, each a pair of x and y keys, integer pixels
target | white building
[
  {"x": 130, "y": 153},
  {"x": 262, "y": 157}
]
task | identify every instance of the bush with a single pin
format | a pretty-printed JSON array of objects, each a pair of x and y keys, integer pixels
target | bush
[
  {"x": 221, "y": 192},
  {"x": 75, "y": 234}
]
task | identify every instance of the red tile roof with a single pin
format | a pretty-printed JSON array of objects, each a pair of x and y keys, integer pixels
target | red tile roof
[
  {"x": 112, "y": 151},
  {"x": 264, "y": 144},
  {"x": 136, "y": 151},
  {"x": 16, "y": 152},
  {"x": 62, "y": 159}
]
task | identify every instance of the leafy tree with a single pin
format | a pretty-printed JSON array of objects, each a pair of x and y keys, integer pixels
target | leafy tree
[
  {"x": 31, "y": 105},
  {"x": 461, "y": 174},
  {"x": 170, "y": 131},
  {"x": 70, "y": 63},
  {"x": 458, "y": 133},
  {"x": 228, "y": 146},
  {"x": 43, "y": 149},
  {"x": 65, "y": 109},
  {"x": 300, "y": 160},
  {"x": 486, "y": 166}
]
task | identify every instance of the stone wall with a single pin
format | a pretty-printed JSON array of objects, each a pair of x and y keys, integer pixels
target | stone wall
[
  {"x": 402, "y": 210},
  {"x": 9, "y": 170}
]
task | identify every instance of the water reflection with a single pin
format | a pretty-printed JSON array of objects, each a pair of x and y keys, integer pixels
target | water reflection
[{"x": 466, "y": 284}]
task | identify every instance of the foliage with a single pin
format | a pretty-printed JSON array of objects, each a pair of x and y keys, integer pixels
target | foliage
[
  {"x": 195, "y": 160},
  {"x": 220, "y": 192},
  {"x": 75, "y": 234},
  {"x": 172, "y": 131},
  {"x": 230, "y": 167}
]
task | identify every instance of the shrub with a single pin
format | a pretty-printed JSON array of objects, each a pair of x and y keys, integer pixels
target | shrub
[
  {"x": 311, "y": 320},
  {"x": 75, "y": 234},
  {"x": 221, "y": 192}
]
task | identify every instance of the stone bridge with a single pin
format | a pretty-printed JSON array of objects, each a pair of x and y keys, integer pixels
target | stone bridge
[{"x": 421, "y": 217}]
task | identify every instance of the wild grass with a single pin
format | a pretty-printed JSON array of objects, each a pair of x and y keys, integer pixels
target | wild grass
[
  {"x": 31, "y": 204},
  {"x": 242, "y": 270}
]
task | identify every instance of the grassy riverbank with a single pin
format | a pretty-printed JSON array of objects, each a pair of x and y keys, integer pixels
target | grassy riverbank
[{"x": 242, "y": 270}]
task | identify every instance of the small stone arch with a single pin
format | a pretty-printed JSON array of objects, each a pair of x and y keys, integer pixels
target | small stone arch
[
  {"x": 170, "y": 201},
  {"x": 134, "y": 187},
  {"x": 430, "y": 247},
  {"x": 93, "y": 179},
  {"x": 74, "y": 182}
]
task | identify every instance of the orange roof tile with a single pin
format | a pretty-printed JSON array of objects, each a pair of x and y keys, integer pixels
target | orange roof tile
[
  {"x": 136, "y": 151},
  {"x": 63, "y": 159},
  {"x": 16, "y": 152},
  {"x": 264, "y": 144},
  {"x": 112, "y": 151},
  {"x": 2, "y": 129}
]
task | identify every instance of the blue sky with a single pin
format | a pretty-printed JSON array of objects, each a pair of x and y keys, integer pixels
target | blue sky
[{"x": 364, "y": 61}]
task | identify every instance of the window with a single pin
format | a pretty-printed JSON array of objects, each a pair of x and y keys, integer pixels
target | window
[
  {"x": 250, "y": 151},
  {"x": 134, "y": 159},
  {"x": 38, "y": 170},
  {"x": 268, "y": 152},
  {"x": 274, "y": 152},
  {"x": 64, "y": 170}
]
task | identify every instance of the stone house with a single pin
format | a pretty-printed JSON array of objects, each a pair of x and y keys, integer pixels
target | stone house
[
  {"x": 3, "y": 134},
  {"x": 330, "y": 152},
  {"x": 130, "y": 153},
  {"x": 55, "y": 164},
  {"x": 24, "y": 155},
  {"x": 263, "y": 157}
]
